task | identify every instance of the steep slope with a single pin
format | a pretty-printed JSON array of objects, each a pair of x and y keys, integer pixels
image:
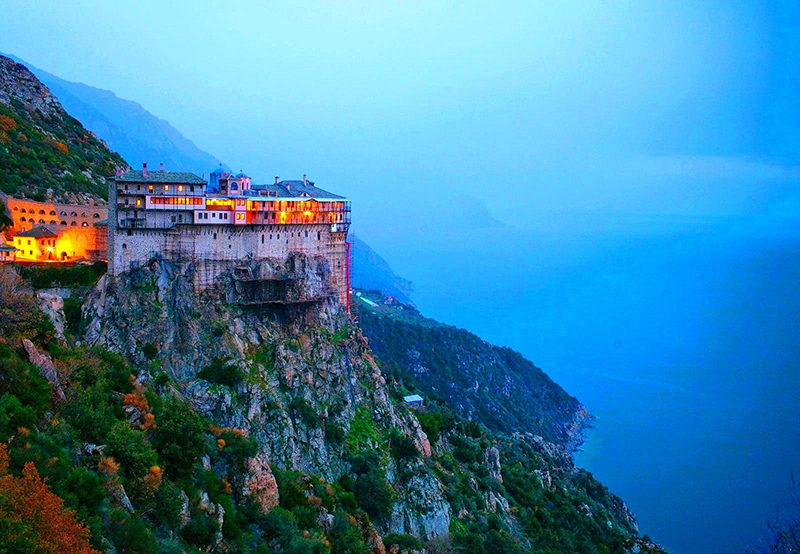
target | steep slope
[
  {"x": 495, "y": 386},
  {"x": 128, "y": 128},
  {"x": 371, "y": 272},
  {"x": 225, "y": 428},
  {"x": 42, "y": 148}
]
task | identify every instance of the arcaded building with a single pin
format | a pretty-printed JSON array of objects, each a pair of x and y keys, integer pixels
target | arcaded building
[{"x": 175, "y": 216}]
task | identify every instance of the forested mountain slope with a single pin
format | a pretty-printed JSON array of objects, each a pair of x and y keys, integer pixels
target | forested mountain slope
[{"x": 43, "y": 148}]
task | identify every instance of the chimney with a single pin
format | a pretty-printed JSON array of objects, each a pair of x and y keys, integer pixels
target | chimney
[
  {"x": 276, "y": 179},
  {"x": 305, "y": 181},
  {"x": 161, "y": 166},
  {"x": 144, "y": 170}
]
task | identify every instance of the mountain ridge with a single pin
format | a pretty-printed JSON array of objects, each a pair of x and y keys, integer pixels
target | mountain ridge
[{"x": 130, "y": 129}]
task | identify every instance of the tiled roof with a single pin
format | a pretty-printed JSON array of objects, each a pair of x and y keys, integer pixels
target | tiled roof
[
  {"x": 287, "y": 189},
  {"x": 7, "y": 247},
  {"x": 38, "y": 232},
  {"x": 177, "y": 177}
]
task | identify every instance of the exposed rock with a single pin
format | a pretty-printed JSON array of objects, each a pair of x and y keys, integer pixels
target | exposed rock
[
  {"x": 375, "y": 541},
  {"x": 491, "y": 457},
  {"x": 421, "y": 509},
  {"x": 260, "y": 483},
  {"x": 45, "y": 364},
  {"x": 186, "y": 514},
  {"x": 51, "y": 302},
  {"x": 496, "y": 502},
  {"x": 119, "y": 495}
]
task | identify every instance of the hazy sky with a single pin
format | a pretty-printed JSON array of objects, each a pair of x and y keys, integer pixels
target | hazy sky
[{"x": 681, "y": 108}]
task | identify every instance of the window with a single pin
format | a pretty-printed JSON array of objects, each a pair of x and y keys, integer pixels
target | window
[
  {"x": 41, "y": 212},
  {"x": 52, "y": 212},
  {"x": 97, "y": 216},
  {"x": 150, "y": 188},
  {"x": 215, "y": 236},
  {"x": 262, "y": 239},
  {"x": 64, "y": 223},
  {"x": 23, "y": 218},
  {"x": 124, "y": 246},
  {"x": 85, "y": 224},
  {"x": 180, "y": 188},
  {"x": 73, "y": 224},
  {"x": 172, "y": 218},
  {"x": 191, "y": 188},
  {"x": 166, "y": 188}
]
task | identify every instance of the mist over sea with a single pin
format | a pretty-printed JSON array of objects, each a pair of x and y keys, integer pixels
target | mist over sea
[{"x": 680, "y": 334}]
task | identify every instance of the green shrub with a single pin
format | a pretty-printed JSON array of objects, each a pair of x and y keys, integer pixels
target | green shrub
[
  {"x": 130, "y": 449},
  {"x": 403, "y": 447},
  {"x": 374, "y": 494},
  {"x": 403, "y": 541},
  {"x": 220, "y": 372},
  {"x": 200, "y": 530},
  {"x": 150, "y": 351},
  {"x": 72, "y": 314},
  {"x": 179, "y": 436},
  {"x": 131, "y": 535},
  {"x": 334, "y": 433},
  {"x": 345, "y": 537},
  {"x": 434, "y": 423},
  {"x": 305, "y": 412},
  {"x": 362, "y": 430}
]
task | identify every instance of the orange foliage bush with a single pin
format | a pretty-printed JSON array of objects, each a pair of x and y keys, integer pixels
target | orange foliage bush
[
  {"x": 38, "y": 514},
  {"x": 7, "y": 123},
  {"x": 220, "y": 444},
  {"x": 226, "y": 486},
  {"x": 61, "y": 147},
  {"x": 152, "y": 481},
  {"x": 107, "y": 466}
]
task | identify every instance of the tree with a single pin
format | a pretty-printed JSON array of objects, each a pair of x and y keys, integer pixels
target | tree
[
  {"x": 178, "y": 437},
  {"x": 33, "y": 519}
]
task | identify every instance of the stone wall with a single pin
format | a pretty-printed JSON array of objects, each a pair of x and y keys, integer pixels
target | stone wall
[{"x": 211, "y": 248}]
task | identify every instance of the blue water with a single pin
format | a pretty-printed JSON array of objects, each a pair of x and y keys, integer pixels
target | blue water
[{"x": 681, "y": 336}]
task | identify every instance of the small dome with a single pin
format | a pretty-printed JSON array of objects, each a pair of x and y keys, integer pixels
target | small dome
[
  {"x": 240, "y": 175},
  {"x": 217, "y": 171}
]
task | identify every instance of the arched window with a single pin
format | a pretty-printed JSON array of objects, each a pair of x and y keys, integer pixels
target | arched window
[
  {"x": 74, "y": 214},
  {"x": 85, "y": 224},
  {"x": 41, "y": 212},
  {"x": 124, "y": 246},
  {"x": 63, "y": 213},
  {"x": 52, "y": 221},
  {"x": 96, "y": 216},
  {"x": 73, "y": 224},
  {"x": 64, "y": 223},
  {"x": 17, "y": 209},
  {"x": 41, "y": 221},
  {"x": 52, "y": 212},
  {"x": 24, "y": 211},
  {"x": 23, "y": 218}
]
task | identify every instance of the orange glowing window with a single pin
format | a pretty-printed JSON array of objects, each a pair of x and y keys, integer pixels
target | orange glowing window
[
  {"x": 166, "y": 188},
  {"x": 138, "y": 201},
  {"x": 150, "y": 188},
  {"x": 180, "y": 188}
]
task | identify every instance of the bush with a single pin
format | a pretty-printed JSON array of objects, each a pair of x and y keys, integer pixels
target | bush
[
  {"x": 200, "y": 530},
  {"x": 374, "y": 494},
  {"x": 403, "y": 541},
  {"x": 403, "y": 447},
  {"x": 434, "y": 423},
  {"x": 150, "y": 351},
  {"x": 306, "y": 413},
  {"x": 345, "y": 536},
  {"x": 129, "y": 448},
  {"x": 131, "y": 535},
  {"x": 179, "y": 437},
  {"x": 220, "y": 372},
  {"x": 362, "y": 430},
  {"x": 72, "y": 314}
]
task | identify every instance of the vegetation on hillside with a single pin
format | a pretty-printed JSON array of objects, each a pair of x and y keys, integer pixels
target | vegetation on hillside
[
  {"x": 138, "y": 468},
  {"x": 495, "y": 386},
  {"x": 38, "y": 153}
]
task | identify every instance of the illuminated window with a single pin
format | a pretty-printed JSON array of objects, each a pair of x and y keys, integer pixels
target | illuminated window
[
  {"x": 180, "y": 188},
  {"x": 166, "y": 188},
  {"x": 150, "y": 188},
  {"x": 138, "y": 203}
]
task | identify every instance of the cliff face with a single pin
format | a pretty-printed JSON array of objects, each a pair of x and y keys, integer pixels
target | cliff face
[
  {"x": 300, "y": 380},
  {"x": 306, "y": 375},
  {"x": 44, "y": 152}
]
